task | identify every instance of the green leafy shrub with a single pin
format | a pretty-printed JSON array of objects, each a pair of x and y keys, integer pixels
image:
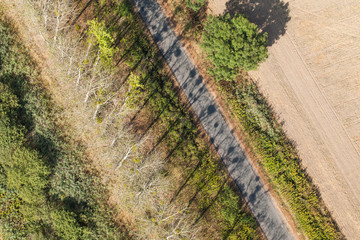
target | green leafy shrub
[
  {"x": 233, "y": 44},
  {"x": 195, "y": 4},
  {"x": 65, "y": 224},
  {"x": 100, "y": 36}
]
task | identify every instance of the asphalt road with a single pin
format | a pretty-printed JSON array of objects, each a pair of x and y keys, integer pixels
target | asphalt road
[{"x": 261, "y": 204}]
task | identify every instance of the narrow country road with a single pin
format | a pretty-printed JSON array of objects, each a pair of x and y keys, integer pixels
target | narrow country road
[{"x": 261, "y": 204}]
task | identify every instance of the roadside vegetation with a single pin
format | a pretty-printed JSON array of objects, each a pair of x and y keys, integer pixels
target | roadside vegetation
[
  {"x": 110, "y": 147},
  {"x": 262, "y": 132}
]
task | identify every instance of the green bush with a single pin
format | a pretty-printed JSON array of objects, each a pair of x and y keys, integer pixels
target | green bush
[
  {"x": 232, "y": 44},
  {"x": 65, "y": 224},
  {"x": 195, "y": 4},
  {"x": 24, "y": 174},
  {"x": 100, "y": 36}
]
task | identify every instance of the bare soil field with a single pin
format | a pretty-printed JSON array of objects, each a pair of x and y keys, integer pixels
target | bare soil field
[{"x": 312, "y": 78}]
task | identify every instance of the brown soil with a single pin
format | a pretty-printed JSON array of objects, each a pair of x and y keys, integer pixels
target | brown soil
[{"x": 312, "y": 78}]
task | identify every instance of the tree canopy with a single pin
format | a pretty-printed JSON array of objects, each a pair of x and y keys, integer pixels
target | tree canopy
[
  {"x": 195, "y": 4},
  {"x": 99, "y": 35},
  {"x": 232, "y": 44}
]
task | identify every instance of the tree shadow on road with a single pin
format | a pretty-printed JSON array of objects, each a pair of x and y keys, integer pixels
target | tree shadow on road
[{"x": 271, "y": 16}]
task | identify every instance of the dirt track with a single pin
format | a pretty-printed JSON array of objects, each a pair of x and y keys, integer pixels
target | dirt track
[{"x": 312, "y": 78}]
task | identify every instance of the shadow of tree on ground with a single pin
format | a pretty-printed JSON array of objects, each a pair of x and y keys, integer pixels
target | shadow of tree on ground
[{"x": 271, "y": 16}]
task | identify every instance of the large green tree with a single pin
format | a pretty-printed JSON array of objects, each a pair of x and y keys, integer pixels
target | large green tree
[{"x": 233, "y": 44}]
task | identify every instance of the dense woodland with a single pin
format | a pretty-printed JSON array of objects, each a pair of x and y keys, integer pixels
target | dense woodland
[
  {"x": 101, "y": 144},
  {"x": 47, "y": 188}
]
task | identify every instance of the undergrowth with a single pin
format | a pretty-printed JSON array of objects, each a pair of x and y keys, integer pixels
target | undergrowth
[{"x": 48, "y": 188}]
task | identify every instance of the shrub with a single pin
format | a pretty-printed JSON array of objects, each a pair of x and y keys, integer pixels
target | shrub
[
  {"x": 65, "y": 224},
  {"x": 195, "y": 4},
  {"x": 232, "y": 44}
]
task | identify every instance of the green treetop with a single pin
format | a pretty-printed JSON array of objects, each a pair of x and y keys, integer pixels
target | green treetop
[
  {"x": 232, "y": 44},
  {"x": 195, "y": 4},
  {"x": 99, "y": 35}
]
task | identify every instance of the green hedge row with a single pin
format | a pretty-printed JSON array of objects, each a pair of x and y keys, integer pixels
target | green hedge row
[{"x": 279, "y": 159}]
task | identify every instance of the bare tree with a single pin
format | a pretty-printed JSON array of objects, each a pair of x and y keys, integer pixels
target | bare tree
[{"x": 100, "y": 107}]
